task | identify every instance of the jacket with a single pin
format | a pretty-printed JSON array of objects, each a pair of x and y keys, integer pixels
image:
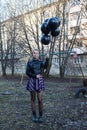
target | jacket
[{"x": 35, "y": 66}]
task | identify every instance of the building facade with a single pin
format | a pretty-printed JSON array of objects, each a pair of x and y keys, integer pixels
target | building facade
[{"x": 25, "y": 29}]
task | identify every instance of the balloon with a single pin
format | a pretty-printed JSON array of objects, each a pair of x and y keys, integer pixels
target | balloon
[
  {"x": 55, "y": 32},
  {"x": 45, "y": 39},
  {"x": 44, "y": 27},
  {"x": 54, "y": 23},
  {"x": 46, "y": 20},
  {"x": 58, "y": 20}
]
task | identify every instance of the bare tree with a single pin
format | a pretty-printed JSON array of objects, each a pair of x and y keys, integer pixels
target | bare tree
[
  {"x": 32, "y": 33},
  {"x": 66, "y": 46},
  {"x": 25, "y": 33},
  {"x": 3, "y": 51},
  {"x": 9, "y": 50}
]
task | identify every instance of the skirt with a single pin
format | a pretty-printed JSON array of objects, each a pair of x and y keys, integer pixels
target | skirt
[{"x": 35, "y": 84}]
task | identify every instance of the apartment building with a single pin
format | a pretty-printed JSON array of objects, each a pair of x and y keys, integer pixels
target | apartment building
[
  {"x": 78, "y": 27},
  {"x": 32, "y": 21},
  {"x": 24, "y": 30}
]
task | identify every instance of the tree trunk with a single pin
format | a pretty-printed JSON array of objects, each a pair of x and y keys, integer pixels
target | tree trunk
[
  {"x": 4, "y": 71},
  {"x": 62, "y": 72}
]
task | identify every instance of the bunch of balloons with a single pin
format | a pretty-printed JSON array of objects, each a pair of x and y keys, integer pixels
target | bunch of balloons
[{"x": 50, "y": 27}]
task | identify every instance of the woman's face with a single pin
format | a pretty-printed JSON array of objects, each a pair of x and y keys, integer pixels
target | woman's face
[{"x": 36, "y": 54}]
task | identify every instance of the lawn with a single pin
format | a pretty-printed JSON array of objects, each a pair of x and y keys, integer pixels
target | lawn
[{"x": 62, "y": 111}]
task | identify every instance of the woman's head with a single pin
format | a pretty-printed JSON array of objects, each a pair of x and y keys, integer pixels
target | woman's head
[{"x": 36, "y": 54}]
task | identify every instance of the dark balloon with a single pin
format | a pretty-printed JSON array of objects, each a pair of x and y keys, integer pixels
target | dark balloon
[
  {"x": 58, "y": 19},
  {"x": 46, "y": 20},
  {"x": 45, "y": 39},
  {"x": 44, "y": 27},
  {"x": 55, "y": 32},
  {"x": 54, "y": 23},
  {"x": 50, "y": 27}
]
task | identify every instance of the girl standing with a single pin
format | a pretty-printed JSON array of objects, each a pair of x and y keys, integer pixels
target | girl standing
[{"x": 35, "y": 83}]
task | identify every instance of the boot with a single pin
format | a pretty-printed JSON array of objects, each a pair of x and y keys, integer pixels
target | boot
[
  {"x": 34, "y": 117},
  {"x": 40, "y": 119}
]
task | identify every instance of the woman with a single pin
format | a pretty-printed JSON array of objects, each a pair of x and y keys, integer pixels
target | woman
[{"x": 35, "y": 83}]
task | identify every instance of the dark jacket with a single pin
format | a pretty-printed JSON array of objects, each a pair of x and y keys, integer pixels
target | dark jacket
[{"x": 35, "y": 66}]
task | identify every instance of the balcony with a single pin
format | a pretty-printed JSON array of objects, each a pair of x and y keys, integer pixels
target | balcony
[
  {"x": 73, "y": 23},
  {"x": 74, "y": 9},
  {"x": 78, "y": 50}
]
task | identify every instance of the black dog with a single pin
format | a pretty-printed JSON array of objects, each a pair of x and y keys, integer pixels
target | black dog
[
  {"x": 85, "y": 82},
  {"x": 82, "y": 91}
]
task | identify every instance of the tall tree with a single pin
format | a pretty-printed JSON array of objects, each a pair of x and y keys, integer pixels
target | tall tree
[{"x": 66, "y": 46}]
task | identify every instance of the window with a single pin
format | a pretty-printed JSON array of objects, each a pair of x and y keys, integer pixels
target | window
[
  {"x": 55, "y": 60},
  {"x": 64, "y": 21},
  {"x": 86, "y": 7},
  {"x": 79, "y": 44},
  {"x": 75, "y": 2},
  {"x": 75, "y": 16},
  {"x": 66, "y": 46},
  {"x": 46, "y": 14},
  {"x": 55, "y": 49},
  {"x": 77, "y": 28},
  {"x": 79, "y": 59},
  {"x": 45, "y": 2}
]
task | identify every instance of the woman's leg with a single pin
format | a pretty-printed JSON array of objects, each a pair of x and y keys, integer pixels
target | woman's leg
[
  {"x": 40, "y": 105},
  {"x": 33, "y": 107},
  {"x": 33, "y": 99}
]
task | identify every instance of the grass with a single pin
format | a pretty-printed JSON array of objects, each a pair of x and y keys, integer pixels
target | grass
[{"x": 60, "y": 107}]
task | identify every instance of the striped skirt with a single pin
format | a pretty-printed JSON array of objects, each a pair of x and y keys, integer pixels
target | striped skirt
[{"x": 35, "y": 84}]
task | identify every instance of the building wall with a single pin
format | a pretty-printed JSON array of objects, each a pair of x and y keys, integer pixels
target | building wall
[{"x": 50, "y": 11}]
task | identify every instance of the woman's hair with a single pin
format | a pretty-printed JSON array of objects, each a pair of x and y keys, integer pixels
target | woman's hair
[{"x": 35, "y": 50}]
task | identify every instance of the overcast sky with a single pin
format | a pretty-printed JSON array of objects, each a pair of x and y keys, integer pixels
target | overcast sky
[
  {"x": 4, "y": 4},
  {"x": 19, "y": 6}
]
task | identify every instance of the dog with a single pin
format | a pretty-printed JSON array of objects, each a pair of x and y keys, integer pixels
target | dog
[
  {"x": 82, "y": 91},
  {"x": 85, "y": 82}
]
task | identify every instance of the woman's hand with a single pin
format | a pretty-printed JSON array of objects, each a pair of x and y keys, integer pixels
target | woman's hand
[
  {"x": 38, "y": 76},
  {"x": 47, "y": 56}
]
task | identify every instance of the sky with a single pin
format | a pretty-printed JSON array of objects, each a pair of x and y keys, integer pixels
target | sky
[
  {"x": 21, "y": 6},
  {"x": 2, "y": 9},
  {"x": 17, "y": 3},
  {"x": 4, "y": 4}
]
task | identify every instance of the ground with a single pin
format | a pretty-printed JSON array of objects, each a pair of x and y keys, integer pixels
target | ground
[{"x": 62, "y": 110}]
